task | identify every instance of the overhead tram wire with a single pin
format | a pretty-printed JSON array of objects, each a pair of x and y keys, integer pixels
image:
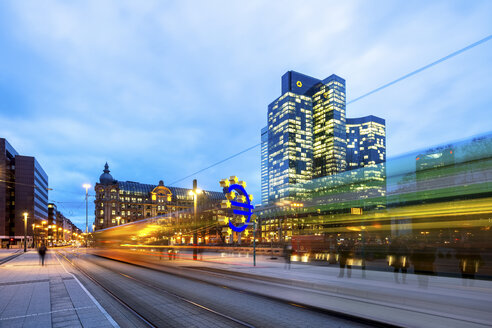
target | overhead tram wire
[
  {"x": 451, "y": 55},
  {"x": 406, "y": 76},
  {"x": 217, "y": 163}
]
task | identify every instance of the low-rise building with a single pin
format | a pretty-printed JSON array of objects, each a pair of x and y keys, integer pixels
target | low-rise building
[{"x": 120, "y": 202}]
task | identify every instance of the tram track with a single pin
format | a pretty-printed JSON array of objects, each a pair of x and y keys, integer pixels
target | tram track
[
  {"x": 285, "y": 310},
  {"x": 144, "y": 318},
  {"x": 238, "y": 277},
  {"x": 127, "y": 306}
]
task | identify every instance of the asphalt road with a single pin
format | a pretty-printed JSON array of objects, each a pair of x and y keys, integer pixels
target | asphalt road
[{"x": 168, "y": 300}]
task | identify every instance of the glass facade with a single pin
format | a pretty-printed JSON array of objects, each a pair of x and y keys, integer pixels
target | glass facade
[
  {"x": 290, "y": 144},
  {"x": 308, "y": 136},
  {"x": 366, "y": 141},
  {"x": 329, "y": 127},
  {"x": 264, "y": 165}
]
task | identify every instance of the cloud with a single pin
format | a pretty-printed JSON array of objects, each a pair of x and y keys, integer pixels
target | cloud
[{"x": 163, "y": 89}]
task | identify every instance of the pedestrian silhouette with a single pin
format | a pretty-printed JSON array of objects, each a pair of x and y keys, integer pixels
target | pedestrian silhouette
[
  {"x": 398, "y": 252},
  {"x": 469, "y": 262},
  {"x": 200, "y": 251},
  {"x": 42, "y": 252},
  {"x": 360, "y": 253},
  {"x": 345, "y": 258},
  {"x": 287, "y": 255},
  {"x": 423, "y": 258}
]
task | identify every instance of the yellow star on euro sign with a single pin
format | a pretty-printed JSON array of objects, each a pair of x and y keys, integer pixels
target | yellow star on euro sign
[
  {"x": 243, "y": 219},
  {"x": 229, "y": 231},
  {"x": 246, "y": 232},
  {"x": 299, "y": 84}
]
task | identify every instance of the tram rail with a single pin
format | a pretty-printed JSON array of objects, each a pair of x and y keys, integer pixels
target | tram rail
[
  {"x": 165, "y": 269},
  {"x": 134, "y": 311}
]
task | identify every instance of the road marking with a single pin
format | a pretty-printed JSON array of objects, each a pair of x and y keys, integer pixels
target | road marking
[
  {"x": 294, "y": 304},
  {"x": 106, "y": 314},
  {"x": 124, "y": 275}
]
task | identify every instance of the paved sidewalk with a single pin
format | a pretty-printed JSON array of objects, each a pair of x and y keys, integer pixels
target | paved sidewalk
[{"x": 46, "y": 296}]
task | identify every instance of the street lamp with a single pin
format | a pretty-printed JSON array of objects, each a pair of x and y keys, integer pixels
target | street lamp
[
  {"x": 43, "y": 239},
  {"x": 195, "y": 192},
  {"x": 25, "y": 232},
  {"x": 86, "y": 186},
  {"x": 33, "y": 234},
  {"x": 118, "y": 218}
]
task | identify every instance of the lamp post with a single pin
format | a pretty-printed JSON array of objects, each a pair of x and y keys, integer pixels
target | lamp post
[
  {"x": 118, "y": 219},
  {"x": 195, "y": 192},
  {"x": 86, "y": 186},
  {"x": 33, "y": 235},
  {"x": 254, "y": 239},
  {"x": 43, "y": 238},
  {"x": 25, "y": 232},
  {"x": 254, "y": 243}
]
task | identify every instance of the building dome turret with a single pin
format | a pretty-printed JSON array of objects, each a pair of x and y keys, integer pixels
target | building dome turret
[{"x": 106, "y": 178}]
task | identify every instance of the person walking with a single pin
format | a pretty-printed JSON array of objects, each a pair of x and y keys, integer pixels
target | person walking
[
  {"x": 423, "y": 258},
  {"x": 42, "y": 252},
  {"x": 398, "y": 252},
  {"x": 469, "y": 263},
  {"x": 345, "y": 258},
  {"x": 287, "y": 255}
]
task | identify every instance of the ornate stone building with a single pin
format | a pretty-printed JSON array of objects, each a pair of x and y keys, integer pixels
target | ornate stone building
[{"x": 120, "y": 202}]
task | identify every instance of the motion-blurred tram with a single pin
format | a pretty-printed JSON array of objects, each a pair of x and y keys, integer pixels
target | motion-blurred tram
[{"x": 428, "y": 213}]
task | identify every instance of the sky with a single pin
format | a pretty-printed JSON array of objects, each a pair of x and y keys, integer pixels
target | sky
[{"x": 162, "y": 89}]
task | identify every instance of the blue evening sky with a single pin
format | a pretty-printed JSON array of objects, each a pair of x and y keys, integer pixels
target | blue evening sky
[{"x": 161, "y": 89}]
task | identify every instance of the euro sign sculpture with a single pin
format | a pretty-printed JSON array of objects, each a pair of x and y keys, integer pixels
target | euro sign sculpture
[{"x": 246, "y": 208}]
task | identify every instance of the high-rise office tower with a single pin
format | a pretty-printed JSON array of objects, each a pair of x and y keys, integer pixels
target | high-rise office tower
[
  {"x": 366, "y": 141},
  {"x": 329, "y": 127},
  {"x": 307, "y": 138},
  {"x": 290, "y": 142}
]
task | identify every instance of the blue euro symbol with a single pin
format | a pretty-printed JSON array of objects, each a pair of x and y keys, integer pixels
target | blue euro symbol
[{"x": 247, "y": 206}]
